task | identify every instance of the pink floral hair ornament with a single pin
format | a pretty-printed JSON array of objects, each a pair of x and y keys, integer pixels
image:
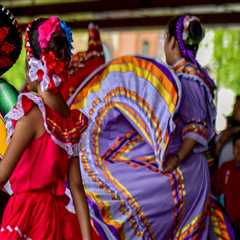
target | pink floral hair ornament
[
  {"x": 48, "y": 70},
  {"x": 46, "y": 29}
]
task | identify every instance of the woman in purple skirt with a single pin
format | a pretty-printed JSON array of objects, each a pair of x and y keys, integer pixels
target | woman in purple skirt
[
  {"x": 143, "y": 155},
  {"x": 194, "y": 125},
  {"x": 195, "y": 120}
]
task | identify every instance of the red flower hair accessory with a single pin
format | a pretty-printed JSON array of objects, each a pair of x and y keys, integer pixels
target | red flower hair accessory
[{"x": 57, "y": 70}]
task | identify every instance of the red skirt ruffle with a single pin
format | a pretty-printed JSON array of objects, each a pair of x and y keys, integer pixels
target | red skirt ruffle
[{"x": 39, "y": 216}]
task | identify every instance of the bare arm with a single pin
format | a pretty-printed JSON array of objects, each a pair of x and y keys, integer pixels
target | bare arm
[
  {"x": 79, "y": 199},
  {"x": 186, "y": 148},
  {"x": 173, "y": 161},
  {"x": 24, "y": 132}
]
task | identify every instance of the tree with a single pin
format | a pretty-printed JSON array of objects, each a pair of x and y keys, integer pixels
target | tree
[{"x": 226, "y": 57}]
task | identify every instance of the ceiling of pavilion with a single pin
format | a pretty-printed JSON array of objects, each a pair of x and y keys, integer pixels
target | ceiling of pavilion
[{"x": 113, "y": 14}]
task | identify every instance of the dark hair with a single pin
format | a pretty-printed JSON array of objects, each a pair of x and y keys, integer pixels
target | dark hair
[
  {"x": 57, "y": 43},
  {"x": 236, "y": 137},
  {"x": 195, "y": 30},
  {"x": 33, "y": 38}
]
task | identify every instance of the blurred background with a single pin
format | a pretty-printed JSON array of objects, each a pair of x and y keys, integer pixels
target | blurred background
[{"x": 137, "y": 27}]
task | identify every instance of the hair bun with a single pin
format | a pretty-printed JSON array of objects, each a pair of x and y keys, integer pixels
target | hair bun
[{"x": 196, "y": 32}]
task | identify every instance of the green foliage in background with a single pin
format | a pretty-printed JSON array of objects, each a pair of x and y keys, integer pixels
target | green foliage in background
[
  {"x": 226, "y": 56},
  {"x": 16, "y": 75}
]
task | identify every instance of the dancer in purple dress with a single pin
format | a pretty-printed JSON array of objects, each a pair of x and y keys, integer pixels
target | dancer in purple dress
[
  {"x": 143, "y": 155},
  {"x": 194, "y": 120}
]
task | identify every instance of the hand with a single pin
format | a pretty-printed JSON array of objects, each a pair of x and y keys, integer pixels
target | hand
[{"x": 170, "y": 163}]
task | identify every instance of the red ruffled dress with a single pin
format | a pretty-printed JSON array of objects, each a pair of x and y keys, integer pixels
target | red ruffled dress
[{"x": 37, "y": 208}]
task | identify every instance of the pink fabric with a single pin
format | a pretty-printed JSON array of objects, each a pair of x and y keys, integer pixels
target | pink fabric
[
  {"x": 42, "y": 165},
  {"x": 65, "y": 131},
  {"x": 36, "y": 211},
  {"x": 46, "y": 29},
  {"x": 38, "y": 216}
]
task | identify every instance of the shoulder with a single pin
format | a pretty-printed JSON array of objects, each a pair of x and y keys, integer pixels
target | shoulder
[
  {"x": 26, "y": 108},
  {"x": 25, "y": 103},
  {"x": 26, "y": 113},
  {"x": 64, "y": 131},
  {"x": 193, "y": 85},
  {"x": 187, "y": 72},
  {"x": 190, "y": 69},
  {"x": 68, "y": 129},
  {"x": 190, "y": 78}
]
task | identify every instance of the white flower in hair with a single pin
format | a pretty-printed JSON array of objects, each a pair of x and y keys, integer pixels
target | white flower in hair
[{"x": 186, "y": 22}]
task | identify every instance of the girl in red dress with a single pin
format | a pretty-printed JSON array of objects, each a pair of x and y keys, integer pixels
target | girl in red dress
[{"x": 42, "y": 157}]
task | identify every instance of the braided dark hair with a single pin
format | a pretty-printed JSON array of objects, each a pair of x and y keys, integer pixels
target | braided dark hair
[
  {"x": 195, "y": 33},
  {"x": 58, "y": 44},
  {"x": 189, "y": 32},
  {"x": 33, "y": 37}
]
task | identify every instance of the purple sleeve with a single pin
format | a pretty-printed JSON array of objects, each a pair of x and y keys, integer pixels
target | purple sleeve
[{"x": 193, "y": 112}]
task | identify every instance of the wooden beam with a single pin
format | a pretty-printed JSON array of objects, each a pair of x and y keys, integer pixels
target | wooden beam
[
  {"x": 154, "y": 22},
  {"x": 159, "y": 21},
  {"x": 110, "y": 5}
]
